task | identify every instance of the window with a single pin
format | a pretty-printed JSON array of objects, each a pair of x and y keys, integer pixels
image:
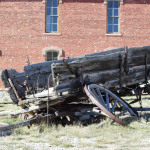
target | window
[
  {"x": 52, "y": 55},
  {"x": 113, "y": 16},
  {"x": 52, "y": 16}
]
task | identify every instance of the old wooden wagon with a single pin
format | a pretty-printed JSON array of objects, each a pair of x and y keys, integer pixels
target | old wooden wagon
[{"x": 64, "y": 87}]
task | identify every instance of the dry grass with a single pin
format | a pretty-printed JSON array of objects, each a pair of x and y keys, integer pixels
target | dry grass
[
  {"x": 135, "y": 136},
  {"x": 7, "y": 106}
]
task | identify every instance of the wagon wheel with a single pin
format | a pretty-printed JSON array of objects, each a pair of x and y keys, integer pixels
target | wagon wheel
[{"x": 108, "y": 102}]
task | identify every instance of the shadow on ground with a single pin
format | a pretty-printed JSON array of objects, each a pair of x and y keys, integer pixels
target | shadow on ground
[{"x": 144, "y": 117}]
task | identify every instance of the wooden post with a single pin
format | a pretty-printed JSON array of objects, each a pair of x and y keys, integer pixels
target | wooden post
[
  {"x": 120, "y": 74},
  {"x": 126, "y": 67},
  {"x": 146, "y": 68},
  {"x": 53, "y": 77}
]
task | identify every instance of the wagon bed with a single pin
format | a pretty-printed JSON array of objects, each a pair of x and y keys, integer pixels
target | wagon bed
[{"x": 122, "y": 71}]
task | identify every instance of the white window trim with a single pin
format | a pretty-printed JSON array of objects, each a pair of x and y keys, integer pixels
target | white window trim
[
  {"x": 52, "y": 49},
  {"x": 121, "y": 2},
  {"x": 60, "y": 1}
]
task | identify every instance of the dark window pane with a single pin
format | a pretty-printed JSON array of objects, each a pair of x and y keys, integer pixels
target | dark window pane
[
  {"x": 54, "y": 11},
  {"x": 49, "y": 3},
  {"x": 115, "y": 28},
  {"x": 110, "y": 4},
  {"x": 55, "y": 54},
  {"x": 52, "y": 56},
  {"x": 116, "y": 4},
  {"x": 110, "y": 30},
  {"x": 54, "y": 27},
  {"x": 48, "y": 11},
  {"x": 55, "y": 3},
  {"x": 48, "y": 19},
  {"x": 49, "y": 54},
  {"x": 116, "y": 12},
  {"x": 110, "y": 12},
  {"x": 48, "y": 27},
  {"x": 110, "y": 20},
  {"x": 116, "y": 20},
  {"x": 54, "y": 19}
]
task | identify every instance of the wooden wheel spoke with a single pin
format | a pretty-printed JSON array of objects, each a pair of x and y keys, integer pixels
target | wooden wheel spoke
[
  {"x": 107, "y": 100},
  {"x": 95, "y": 94},
  {"x": 113, "y": 107},
  {"x": 100, "y": 97}
]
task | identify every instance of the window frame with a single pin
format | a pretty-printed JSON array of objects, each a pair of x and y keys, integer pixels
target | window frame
[
  {"x": 51, "y": 51},
  {"x": 113, "y": 33},
  {"x": 46, "y": 30}
]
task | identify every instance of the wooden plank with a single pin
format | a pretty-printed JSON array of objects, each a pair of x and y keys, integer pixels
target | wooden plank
[
  {"x": 3, "y": 124},
  {"x": 85, "y": 61},
  {"x": 52, "y": 99},
  {"x": 23, "y": 111},
  {"x": 137, "y": 51},
  {"x": 71, "y": 84},
  {"x": 106, "y": 52},
  {"x": 5, "y": 113},
  {"x": 42, "y": 67},
  {"x": 43, "y": 93},
  {"x": 38, "y": 119},
  {"x": 91, "y": 64},
  {"x": 135, "y": 75},
  {"x": 101, "y": 77},
  {"x": 138, "y": 60},
  {"x": 29, "y": 109},
  {"x": 128, "y": 81},
  {"x": 64, "y": 77}
]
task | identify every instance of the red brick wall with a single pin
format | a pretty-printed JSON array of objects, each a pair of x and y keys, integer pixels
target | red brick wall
[{"x": 82, "y": 24}]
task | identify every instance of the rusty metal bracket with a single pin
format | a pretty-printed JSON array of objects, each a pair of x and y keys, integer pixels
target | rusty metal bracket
[
  {"x": 28, "y": 62},
  {"x": 68, "y": 66},
  {"x": 15, "y": 91},
  {"x": 12, "y": 85},
  {"x": 26, "y": 85}
]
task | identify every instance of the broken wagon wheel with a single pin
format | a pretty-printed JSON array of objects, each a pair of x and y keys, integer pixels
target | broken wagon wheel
[{"x": 103, "y": 97}]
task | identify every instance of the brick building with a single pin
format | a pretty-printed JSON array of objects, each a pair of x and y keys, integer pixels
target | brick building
[{"x": 42, "y": 30}]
